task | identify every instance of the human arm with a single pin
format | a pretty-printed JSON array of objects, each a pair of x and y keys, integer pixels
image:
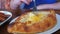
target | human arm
[{"x": 49, "y": 6}]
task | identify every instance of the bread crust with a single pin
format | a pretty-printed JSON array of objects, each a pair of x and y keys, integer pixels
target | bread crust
[{"x": 45, "y": 24}]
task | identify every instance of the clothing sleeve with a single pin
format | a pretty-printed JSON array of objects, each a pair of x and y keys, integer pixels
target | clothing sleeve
[{"x": 39, "y": 2}]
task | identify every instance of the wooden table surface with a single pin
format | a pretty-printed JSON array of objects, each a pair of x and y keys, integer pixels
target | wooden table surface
[{"x": 3, "y": 28}]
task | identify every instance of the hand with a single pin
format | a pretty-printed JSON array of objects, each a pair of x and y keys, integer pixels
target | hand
[{"x": 13, "y": 4}]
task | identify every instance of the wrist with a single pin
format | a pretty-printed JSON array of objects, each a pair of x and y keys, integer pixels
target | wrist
[{"x": 45, "y": 6}]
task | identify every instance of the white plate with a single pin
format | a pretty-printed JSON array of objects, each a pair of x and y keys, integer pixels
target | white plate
[
  {"x": 54, "y": 29},
  {"x": 6, "y": 13}
]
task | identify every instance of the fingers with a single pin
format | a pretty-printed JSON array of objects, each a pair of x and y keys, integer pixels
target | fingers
[{"x": 13, "y": 4}]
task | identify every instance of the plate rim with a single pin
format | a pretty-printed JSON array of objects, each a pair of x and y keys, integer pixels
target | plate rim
[{"x": 5, "y": 12}]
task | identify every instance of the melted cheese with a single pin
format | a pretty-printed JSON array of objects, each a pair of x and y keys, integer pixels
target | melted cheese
[{"x": 33, "y": 17}]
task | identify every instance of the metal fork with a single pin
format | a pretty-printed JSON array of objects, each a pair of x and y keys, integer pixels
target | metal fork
[{"x": 34, "y": 8}]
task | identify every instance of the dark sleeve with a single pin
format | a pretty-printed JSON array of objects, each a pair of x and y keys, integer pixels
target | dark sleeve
[{"x": 39, "y": 2}]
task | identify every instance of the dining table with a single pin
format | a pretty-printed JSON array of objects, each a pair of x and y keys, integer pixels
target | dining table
[{"x": 15, "y": 13}]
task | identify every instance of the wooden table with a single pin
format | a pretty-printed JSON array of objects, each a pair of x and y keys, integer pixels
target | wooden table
[{"x": 3, "y": 28}]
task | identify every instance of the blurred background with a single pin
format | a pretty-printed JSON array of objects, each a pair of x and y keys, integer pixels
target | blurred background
[{"x": 2, "y": 2}]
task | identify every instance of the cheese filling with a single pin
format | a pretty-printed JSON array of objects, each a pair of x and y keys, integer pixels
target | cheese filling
[{"x": 34, "y": 17}]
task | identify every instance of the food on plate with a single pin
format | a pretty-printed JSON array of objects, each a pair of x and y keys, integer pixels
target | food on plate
[
  {"x": 3, "y": 17},
  {"x": 33, "y": 22}
]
